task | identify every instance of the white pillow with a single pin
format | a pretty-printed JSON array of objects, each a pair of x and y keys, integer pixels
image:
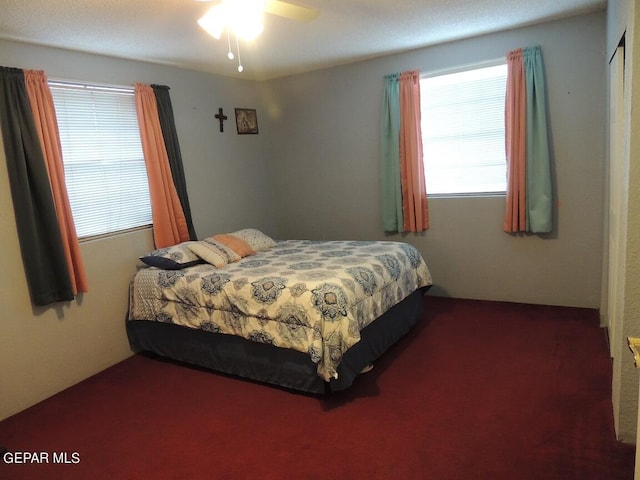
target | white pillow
[{"x": 255, "y": 238}]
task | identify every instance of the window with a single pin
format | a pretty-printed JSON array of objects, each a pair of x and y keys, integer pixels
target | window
[
  {"x": 104, "y": 166},
  {"x": 463, "y": 131}
]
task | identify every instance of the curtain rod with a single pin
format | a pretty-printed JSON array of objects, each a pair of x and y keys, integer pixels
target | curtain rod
[{"x": 90, "y": 85}]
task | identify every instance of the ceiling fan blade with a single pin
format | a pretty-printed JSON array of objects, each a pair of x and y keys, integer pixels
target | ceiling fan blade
[{"x": 289, "y": 10}]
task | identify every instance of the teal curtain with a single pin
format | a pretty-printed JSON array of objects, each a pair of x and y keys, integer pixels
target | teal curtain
[
  {"x": 538, "y": 189},
  {"x": 392, "y": 219}
]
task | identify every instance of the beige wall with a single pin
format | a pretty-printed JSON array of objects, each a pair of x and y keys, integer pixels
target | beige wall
[{"x": 44, "y": 350}]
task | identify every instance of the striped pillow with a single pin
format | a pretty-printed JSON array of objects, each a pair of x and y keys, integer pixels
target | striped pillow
[{"x": 214, "y": 252}]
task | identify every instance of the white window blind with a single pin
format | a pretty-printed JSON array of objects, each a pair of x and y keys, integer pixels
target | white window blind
[
  {"x": 104, "y": 166},
  {"x": 463, "y": 131}
]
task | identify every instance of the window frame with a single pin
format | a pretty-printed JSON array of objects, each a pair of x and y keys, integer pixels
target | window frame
[
  {"x": 102, "y": 87},
  {"x": 451, "y": 71}
]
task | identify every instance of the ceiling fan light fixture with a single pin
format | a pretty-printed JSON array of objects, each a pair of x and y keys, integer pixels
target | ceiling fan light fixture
[{"x": 244, "y": 17}]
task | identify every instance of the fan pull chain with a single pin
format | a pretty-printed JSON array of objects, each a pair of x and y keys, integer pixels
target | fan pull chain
[
  {"x": 230, "y": 54},
  {"x": 240, "y": 67}
]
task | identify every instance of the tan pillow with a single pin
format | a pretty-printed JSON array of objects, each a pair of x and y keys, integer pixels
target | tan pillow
[{"x": 236, "y": 244}]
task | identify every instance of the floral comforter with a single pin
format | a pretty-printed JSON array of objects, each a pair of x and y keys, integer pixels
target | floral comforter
[{"x": 314, "y": 297}]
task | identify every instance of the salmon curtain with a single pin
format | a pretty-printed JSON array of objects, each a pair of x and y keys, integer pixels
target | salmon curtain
[
  {"x": 529, "y": 192},
  {"x": 167, "y": 123},
  {"x": 169, "y": 222},
  {"x": 414, "y": 190},
  {"x": 47, "y": 127},
  {"x": 404, "y": 196},
  {"x": 515, "y": 144}
]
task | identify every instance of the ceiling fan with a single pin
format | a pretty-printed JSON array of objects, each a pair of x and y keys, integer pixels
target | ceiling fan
[
  {"x": 244, "y": 18},
  {"x": 280, "y": 8}
]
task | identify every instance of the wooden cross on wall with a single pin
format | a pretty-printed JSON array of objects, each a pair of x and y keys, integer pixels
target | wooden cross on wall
[{"x": 222, "y": 117}]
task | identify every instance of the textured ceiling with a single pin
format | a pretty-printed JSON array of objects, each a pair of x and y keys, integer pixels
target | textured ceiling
[{"x": 165, "y": 31}]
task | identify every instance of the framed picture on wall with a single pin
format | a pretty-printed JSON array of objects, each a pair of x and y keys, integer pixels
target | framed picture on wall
[{"x": 246, "y": 121}]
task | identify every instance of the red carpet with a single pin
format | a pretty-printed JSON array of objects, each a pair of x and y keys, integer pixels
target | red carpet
[{"x": 479, "y": 390}]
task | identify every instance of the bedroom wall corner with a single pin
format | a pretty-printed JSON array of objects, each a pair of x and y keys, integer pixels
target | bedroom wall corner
[{"x": 329, "y": 176}]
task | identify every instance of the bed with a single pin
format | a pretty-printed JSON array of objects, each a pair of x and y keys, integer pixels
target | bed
[{"x": 304, "y": 315}]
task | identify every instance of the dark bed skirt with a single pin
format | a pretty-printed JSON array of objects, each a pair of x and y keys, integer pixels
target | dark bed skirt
[{"x": 274, "y": 365}]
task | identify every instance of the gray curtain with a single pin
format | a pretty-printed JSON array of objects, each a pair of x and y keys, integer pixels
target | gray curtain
[
  {"x": 36, "y": 221},
  {"x": 168, "y": 126}
]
